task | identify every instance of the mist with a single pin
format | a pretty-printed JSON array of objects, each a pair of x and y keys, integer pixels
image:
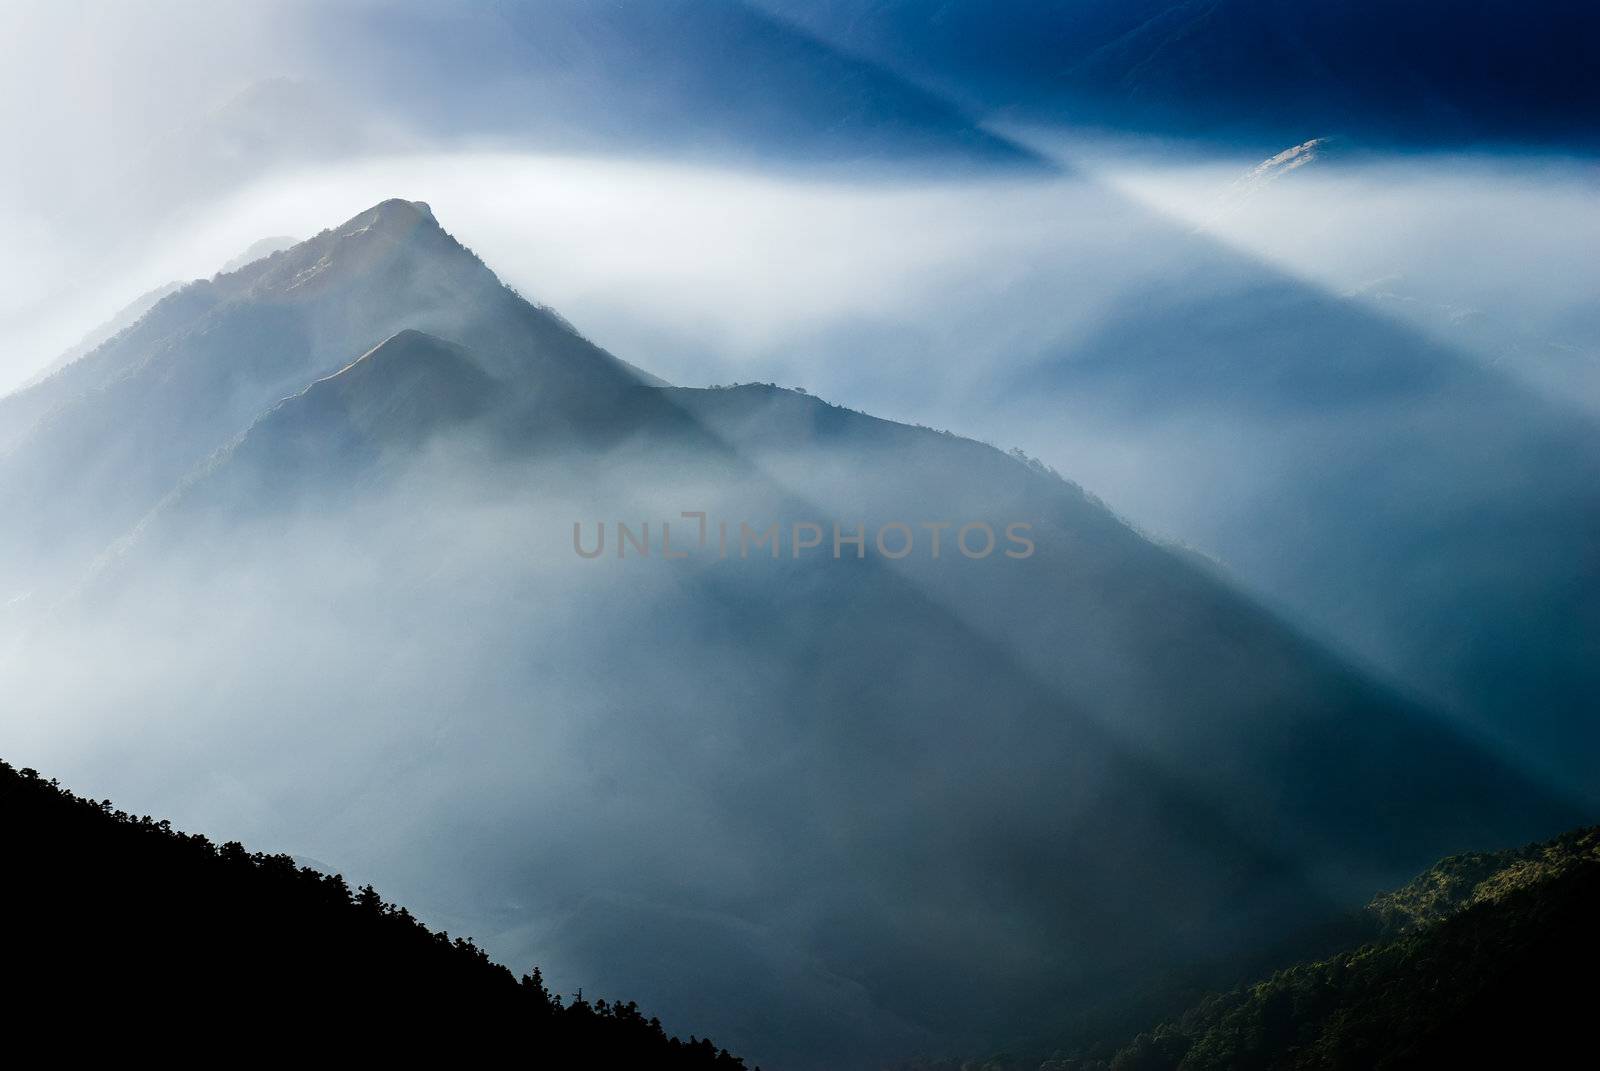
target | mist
[
  {"x": 1307, "y": 444},
  {"x": 710, "y": 785}
]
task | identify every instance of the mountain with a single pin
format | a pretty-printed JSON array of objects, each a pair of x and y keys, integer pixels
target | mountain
[
  {"x": 1509, "y": 931},
  {"x": 319, "y": 528},
  {"x": 1422, "y": 73},
  {"x": 699, "y": 80},
  {"x": 1430, "y": 512},
  {"x": 1563, "y": 367},
  {"x": 160, "y": 397},
  {"x": 259, "y": 249},
  {"x": 391, "y": 400},
  {"x": 220, "y": 944},
  {"x": 130, "y": 313},
  {"x": 124, "y": 318},
  {"x": 704, "y": 78}
]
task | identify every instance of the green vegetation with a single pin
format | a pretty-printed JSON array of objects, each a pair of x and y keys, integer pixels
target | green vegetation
[
  {"x": 152, "y": 939},
  {"x": 1485, "y": 963}
]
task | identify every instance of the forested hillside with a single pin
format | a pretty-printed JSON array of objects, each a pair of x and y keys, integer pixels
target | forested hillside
[
  {"x": 156, "y": 938},
  {"x": 1485, "y": 962}
]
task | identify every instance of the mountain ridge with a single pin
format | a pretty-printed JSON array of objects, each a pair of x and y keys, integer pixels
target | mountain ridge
[
  {"x": 220, "y": 940},
  {"x": 1045, "y": 754},
  {"x": 203, "y": 363},
  {"x": 1510, "y": 932}
]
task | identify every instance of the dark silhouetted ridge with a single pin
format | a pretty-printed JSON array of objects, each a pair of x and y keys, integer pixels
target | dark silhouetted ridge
[{"x": 154, "y": 940}]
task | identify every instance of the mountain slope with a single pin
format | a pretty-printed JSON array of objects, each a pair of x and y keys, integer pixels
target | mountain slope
[
  {"x": 131, "y": 313},
  {"x": 124, "y": 318},
  {"x": 1435, "y": 516},
  {"x": 1101, "y": 747},
  {"x": 1481, "y": 973},
  {"x": 391, "y": 401},
  {"x": 220, "y": 944},
  {"x": 902, "y": 803},
  {"x": 134, "y": 416}
]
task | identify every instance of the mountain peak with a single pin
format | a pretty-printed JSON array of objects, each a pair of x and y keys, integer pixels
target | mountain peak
[
  {"x": 395, "y": 216},
  {"x": 359, "y": 247},
  {"x": 399, "y": 208},
  {"x": 410, "y": 336}
]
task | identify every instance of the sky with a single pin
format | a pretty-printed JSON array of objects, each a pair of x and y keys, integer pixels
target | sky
[{"x": 707, "y": 269}]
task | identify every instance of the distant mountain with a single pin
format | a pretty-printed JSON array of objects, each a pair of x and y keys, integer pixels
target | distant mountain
[
  {"x": 1476, "y": 969},
  {"x": 258, "y": 250},
  {"x": 697, "y": 80},
  {"x": 130, "y": 313},
  {"x": 219, "y": 944},
  {"x": 1418, "y": 73},
  {"x": 903, "y": 803},
  {"x": 1432, "y": 512},
  {"x": 273, "y": 124},
  {"x": 700, "y": 78},
  {"x": 124, "y": 318},
  {"x": 1563, "y": 368}
]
